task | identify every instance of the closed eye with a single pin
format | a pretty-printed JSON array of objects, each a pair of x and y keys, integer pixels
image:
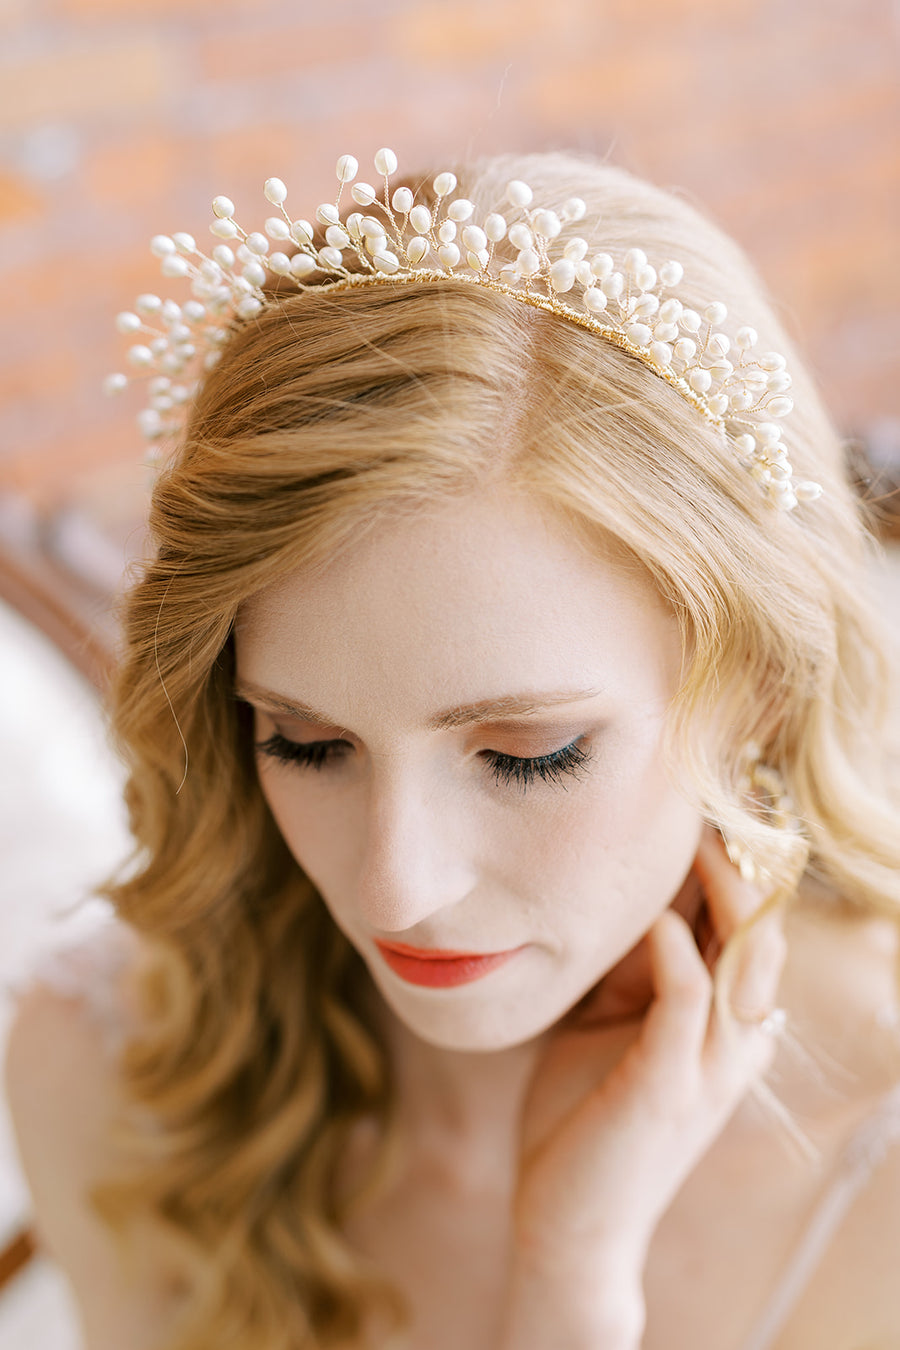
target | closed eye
[{"x": 508, "y": 770}]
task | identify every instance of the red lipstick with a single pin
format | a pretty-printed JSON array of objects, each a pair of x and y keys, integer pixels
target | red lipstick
[{"x": 437, "y": 967}]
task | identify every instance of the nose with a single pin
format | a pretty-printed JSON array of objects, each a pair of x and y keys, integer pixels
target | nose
[{"x": 415, "y": 855}]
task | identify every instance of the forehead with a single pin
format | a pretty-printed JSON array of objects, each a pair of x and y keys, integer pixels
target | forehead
[{"x": 470, "y": 598}]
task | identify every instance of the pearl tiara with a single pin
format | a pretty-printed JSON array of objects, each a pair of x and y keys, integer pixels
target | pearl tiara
[{"x": 630, "y": 302}]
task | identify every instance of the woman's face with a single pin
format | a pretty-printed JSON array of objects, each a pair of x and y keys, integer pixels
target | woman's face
[{"x": 459, "y": 729}]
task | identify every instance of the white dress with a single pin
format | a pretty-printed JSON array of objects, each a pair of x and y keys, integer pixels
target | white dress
[{"x": 88, "y": 970}]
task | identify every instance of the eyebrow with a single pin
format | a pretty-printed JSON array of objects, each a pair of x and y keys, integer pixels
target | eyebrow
[{"x": 463, "y": 715}]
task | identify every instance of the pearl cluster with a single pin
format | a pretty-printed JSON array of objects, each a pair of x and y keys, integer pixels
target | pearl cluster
[{"x": 394, "y": 239}]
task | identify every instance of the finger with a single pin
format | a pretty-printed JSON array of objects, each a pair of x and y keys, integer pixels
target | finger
[
  {"x": 677, "y": 1023},
  {"x": 731, "y": 900},
  {"x": 758, "y": 969}
]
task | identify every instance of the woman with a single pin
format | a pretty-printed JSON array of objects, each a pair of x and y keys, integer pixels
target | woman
[{"x": 511, "y": 947}]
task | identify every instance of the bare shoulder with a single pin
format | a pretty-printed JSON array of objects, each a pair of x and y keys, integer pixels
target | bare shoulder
[
  {"x": 63, "y": 1096},
  {"x": 841, "y": 988}
]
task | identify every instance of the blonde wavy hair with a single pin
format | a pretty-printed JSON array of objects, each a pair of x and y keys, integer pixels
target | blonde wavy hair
[{"x": 255, "y": 1060}]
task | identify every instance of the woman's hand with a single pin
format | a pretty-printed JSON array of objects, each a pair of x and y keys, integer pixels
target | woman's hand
[{"x": 618, "y": 1115}]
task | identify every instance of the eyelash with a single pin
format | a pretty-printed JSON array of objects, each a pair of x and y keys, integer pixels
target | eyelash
[{"x": 507, "y": 769}]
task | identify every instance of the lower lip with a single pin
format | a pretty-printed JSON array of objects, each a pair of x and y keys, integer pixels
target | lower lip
[{"x": 442, "y": 972}]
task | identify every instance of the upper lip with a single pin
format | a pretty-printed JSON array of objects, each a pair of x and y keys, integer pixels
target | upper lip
[{"x": 432, "y": 953}]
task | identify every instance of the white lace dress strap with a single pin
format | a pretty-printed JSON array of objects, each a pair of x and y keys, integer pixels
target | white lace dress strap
[
  {"x": 864, "y": 1152},
  {"x": 90, "y": 969}
]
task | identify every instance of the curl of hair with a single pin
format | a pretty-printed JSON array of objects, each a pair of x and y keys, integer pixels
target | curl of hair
[{"x": 256, "y": 1060}]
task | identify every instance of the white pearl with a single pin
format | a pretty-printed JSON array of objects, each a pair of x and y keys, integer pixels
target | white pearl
[
  {"x": 690, "y": 321},
  {"x": 772, "y": 361},
  {"x": 275, "y": 191},
  {"x": 639, "y": 334},
  {"x": 346, "y": 169},
  {"x": 740, "y": 400},
  {"x": 745, "y": 443},
  {"x": 161, "y": 403},
  {"x": 495, "y": 227},
  {"x": 574, "y": 209},
  {"x": 140, "y": 355},
  {"x": 634, "y": 260},
  {"x": 718, "y": 345},
  {"x": 562, "y": 274},
  {"x": 370, "y": 227},
  {"x": 327, "y": 214},
  {"x": 148, "y": 304},
  {"x": 807, "y": 491},
  {"x": 474, "y": 238},
  {"x": 528, "y": 263},
  {"x": 645, "y": 306},
  {"x": 449, "y": 255},
  {"x": 223, "y": 207},
  {"x": 149, "y": 422},
  {"x": 520, "y": 236},
  {"x": 602, "y": 266},
  {"x": 575, "y": 250},
  {"x": 778, "y": 382},
  {"x": 302, "y": 265},
  {"x": 161, "y": 245},
  {"x": 385, "y": 162},
  {"x": 661, "y": 353},
  {"x": 715, "y": 313},
  {"x": 171, "y": 312},
  {"x": 477, "y": 260},
  {"x": 248, "y": 308},
  {"x": 718, "y": 405},
  {"x": 276, "y": 228},
  {"x": 754, "y": 379},
  {"x": 352, "y": 224},
  {"x": 416, "y": 249},
  {"x": 337, "y": 237},
  {"x": 779, "y": 406},
  {"x": 114, "y": 384},
  {"x": 211, "y": 272},
  {"x": 193, "y": 311},
  {"x": 720, "y": 370},
  {"x": 768, "y": 433},
  {"x": 257, "y": 243},
  {"x": 671, "y": 273},
  {"x": 126, "y": 322},
  {"x": 363, "y": 194},
  {"x": 685, "y": 349},
  {"x": 594, "y": 299},
  {"x": 420, "y": 219},
  {"x": 174, "y": 266},
  {"x": 613, "y": 286},
  {"x": 444, "y": 184},
  {"x": 447, "y": 232},
  {"x": 280, "y": 264},
  {"x": 387, "y": 262},
  {"x": 460, "y": 210},
  {"x": 223, "y": 229},
  {"x": 547, "y": 223},
  {"x": 699, "y": 380},
  {"x": 301, "y": 232},
  {"x": 330, "y": 257},
  {"x": 670, "y": 311},
  {"x": 745, "y": 338},
  {"x": 172, "y": 364},
  {"x": 519, "y": 193},
  {"x": 211, "y": 360},
  {"x": 185, "y": 243},
  {"x": 583, "y": 273},
  {"x": 403, "y": 201},
  {"x": 255, "y": 273},
  {"x": 179, "y": 332},
  {"x": 645, "y": 277},
  {"x": 223, "y": 255},
  {"x": 665, "y": 332}
]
